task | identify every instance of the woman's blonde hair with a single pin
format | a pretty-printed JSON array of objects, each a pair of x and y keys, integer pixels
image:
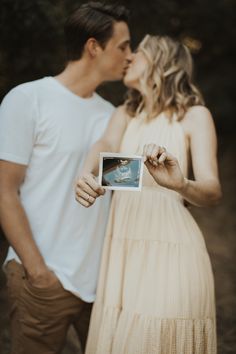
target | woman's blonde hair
[{"x": 167, "y": 82}]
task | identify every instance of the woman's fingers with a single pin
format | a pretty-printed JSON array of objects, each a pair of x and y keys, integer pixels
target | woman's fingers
[
  {"x": 154, "y": 154},
  {"x": 151, "y": 148},
  {"x": 170, "y": 159},
  {"x": 150, "y": 152},
  {"x": 163, "y": 155}
]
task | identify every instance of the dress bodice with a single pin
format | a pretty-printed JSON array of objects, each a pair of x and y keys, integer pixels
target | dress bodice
[{"x": 161, "y": 131}]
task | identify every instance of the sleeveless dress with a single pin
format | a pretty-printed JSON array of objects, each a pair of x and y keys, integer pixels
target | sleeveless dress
[{"x": 156, "y": 290}]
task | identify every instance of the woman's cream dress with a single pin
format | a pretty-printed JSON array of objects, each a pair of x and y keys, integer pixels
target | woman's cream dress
[{"x": 156, "y": 291}]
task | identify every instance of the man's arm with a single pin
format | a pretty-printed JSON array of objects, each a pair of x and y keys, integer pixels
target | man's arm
[
  {"x": 16, "y": 226},
  {"x": 87, "y": 189},
  {"x": 109, "y": 142}
]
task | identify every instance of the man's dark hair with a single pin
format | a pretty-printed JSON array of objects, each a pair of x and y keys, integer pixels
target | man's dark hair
[{"x": 93, "y": 19}]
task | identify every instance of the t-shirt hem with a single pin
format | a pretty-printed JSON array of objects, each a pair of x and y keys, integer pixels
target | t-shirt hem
[
  {"x": 13, "y": 158},
  {"x": 65, "y": 283},
  {"x": 77, "y": 292}
]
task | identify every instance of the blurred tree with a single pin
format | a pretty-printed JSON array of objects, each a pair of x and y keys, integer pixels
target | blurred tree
[
  {"x": 32, "y": 46},
  {"x": 31, "y": 43}
]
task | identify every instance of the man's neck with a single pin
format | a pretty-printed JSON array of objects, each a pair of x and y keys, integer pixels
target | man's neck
[{"x": 80, "y": 78}]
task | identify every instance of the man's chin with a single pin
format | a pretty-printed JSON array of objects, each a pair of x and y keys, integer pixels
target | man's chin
[{"x": 118, "y": 77}]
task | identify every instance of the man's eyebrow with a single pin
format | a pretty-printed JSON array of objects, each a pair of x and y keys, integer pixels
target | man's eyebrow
[{"x": 126, "y": 42}]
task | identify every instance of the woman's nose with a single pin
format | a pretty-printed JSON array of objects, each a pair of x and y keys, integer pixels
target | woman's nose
[{"x": 130, "y": 57}]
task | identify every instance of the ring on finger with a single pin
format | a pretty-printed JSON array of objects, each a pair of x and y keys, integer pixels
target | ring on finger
[{"x": 87, "y": 197}]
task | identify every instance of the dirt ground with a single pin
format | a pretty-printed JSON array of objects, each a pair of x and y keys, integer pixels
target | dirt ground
[{"x": 219, "y": 227}]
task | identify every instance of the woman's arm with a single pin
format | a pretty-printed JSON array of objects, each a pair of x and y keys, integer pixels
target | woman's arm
[
  {"x": 87, "y": 189},
  {"x": 205, "y": 190}
]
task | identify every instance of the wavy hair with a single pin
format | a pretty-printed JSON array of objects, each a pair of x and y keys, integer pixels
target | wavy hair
[{"x": 166, "y": 85}]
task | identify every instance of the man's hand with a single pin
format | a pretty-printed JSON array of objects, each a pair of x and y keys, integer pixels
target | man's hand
[
  {"x": 16, "y": 225},
  {"x": 87, "y": 190},
  {"x": 42, "y": 277}
]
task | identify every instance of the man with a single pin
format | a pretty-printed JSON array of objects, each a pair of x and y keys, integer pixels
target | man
[{"x": 46, "y": 128}]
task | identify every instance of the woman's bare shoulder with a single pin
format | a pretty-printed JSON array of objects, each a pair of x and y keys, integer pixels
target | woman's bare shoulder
[
  {"x": 197, "y": 113},
  {"x": 197, "y": 117}
]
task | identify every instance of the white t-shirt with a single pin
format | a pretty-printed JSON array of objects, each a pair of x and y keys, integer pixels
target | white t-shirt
[{"x": 50, "y": 129}]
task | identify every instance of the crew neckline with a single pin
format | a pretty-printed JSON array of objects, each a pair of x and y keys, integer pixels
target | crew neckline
[{"x": 68, "y": 91}]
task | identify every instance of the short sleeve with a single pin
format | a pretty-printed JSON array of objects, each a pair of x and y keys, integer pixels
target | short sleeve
[{"x": 17, "y": 127}]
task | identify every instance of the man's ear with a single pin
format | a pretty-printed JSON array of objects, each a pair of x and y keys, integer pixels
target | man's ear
[{"x": 92, "y": 47}]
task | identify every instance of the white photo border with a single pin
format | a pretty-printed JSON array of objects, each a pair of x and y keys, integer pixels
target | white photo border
[{"x": 122, "y": 157}]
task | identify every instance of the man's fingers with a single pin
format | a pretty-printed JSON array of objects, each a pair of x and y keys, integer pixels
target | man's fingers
[
  {"x": 87, "y": 190},
  {"x": 82, "y": 194},
  {"x": 82, "y": 185},
  {"x": 89, "y": 186},
  {"x": 90, "y": 180},
  {"x": 96, "y": 187},
  {"x": 82, "y": 201}
]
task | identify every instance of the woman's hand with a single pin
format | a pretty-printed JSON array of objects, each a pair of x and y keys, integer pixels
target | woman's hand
[
  {"x": 87, "y": 190},
  {"x": 163, "y": 167}
]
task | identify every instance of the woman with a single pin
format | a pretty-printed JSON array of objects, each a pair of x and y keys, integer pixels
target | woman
[{"x": 156, "y": 291}]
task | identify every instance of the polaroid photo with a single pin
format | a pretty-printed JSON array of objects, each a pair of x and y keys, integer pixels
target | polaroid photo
[{"x": 120, "y": 172}]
